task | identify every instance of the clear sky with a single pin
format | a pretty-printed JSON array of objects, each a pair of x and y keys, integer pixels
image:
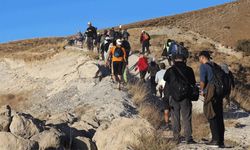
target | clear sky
[{"x": 21, "y": 19}]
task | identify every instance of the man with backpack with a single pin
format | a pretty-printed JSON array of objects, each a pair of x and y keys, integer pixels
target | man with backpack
[
  {"x": 179, "y": 90},
  {"x": 105, "y": 47},
  {"x": 213, "y": 86},
  {"x": 165, "y": 52},
  {"x": 91, "y": 34},
  {"x": 118, "y": 59},
  {"x": 145, "y": 41},
  {"x": 127, "y": 47}
]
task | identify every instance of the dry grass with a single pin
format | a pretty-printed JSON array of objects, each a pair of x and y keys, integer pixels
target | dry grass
[
  {"x": 153, "y": 142},
  {"x": 33, "y": 49},
  {"x": 139, "y": 92},
  {"x": 14, "y": 100},
  {"x": 92, "y": 55},
  {"x": 241, "y": 96},
  {"x": 152, "y": 114},
  {"x": 200, "y": 126}
]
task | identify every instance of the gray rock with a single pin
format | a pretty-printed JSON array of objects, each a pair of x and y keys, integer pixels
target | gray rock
[
  {"x": 50, "y": 139},
  {"x": 11, "y": 142},
  {"x": 23, "y": 125}
]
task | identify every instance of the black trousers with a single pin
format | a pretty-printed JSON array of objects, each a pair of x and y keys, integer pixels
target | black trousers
[
  {"x": 145, "y": 47},
  {"x": 217, "y": 126},
  {"x": 153, "y": 84}
]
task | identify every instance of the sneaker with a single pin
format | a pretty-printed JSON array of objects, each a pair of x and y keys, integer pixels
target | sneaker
[
  {"x": 213, "y": 144},
  {"x": 191, "y": 141},
  {"x": 221, "y": 145}
]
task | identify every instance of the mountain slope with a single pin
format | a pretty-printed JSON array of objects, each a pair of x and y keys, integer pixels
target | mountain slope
[{"x": 226, "y": 23}]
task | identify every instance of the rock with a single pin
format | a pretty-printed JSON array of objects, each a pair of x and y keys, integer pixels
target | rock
[
  {"x": 121, "y": 133},
  {"x": 88, "y": 70},
  {"x": 11, "y": 142},
  {"x": 50, "y": 139},
  {"x": 83, "y": 143},
  {"x": 24, "y": 126},
  {"x": 61, "y": 118},
  {"x": 5, "y": 118}
]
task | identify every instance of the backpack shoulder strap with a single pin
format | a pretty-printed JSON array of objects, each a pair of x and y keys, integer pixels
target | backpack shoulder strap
[{"x": 182, "y": 75}]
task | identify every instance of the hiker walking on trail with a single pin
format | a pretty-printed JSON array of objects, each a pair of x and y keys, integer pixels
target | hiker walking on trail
[
  {"x": 160, "y": 83},
  {"x": 111, "y": 34},
  {"x": 166, "y": 51},
  {"x": 98, "y": 42},
  {"x": 125, "y": 34},
  {"x": 105, "y": 48},
  {"x": 152, "y": 70},
  {"x": 91, "y": 36},
  {"x": 160, "y": 87},
  {"x": 142, "y": 66},
  {"x": 127, "y": 47},
  {"x": 118, "y": 58},
  {"x": 212, "y": 88},
  {"x": 231, "y": 84},
  {"x": 79, "y": 39},
  {"x": 179, "y": 79},
  {"x": 145, "y": 41}
]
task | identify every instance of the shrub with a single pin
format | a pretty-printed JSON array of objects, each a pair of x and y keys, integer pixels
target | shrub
[{"x": 244, "y": 46}]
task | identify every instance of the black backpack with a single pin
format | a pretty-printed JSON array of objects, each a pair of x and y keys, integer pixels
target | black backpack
[
  {"x": 118, "y": 52},
  {"x": 220, "y": 80},
  {"x": 183, "y": 88}
]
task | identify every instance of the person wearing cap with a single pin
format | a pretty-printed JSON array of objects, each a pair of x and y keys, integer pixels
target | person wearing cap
[
  {"x": 91, "y": 34},
  {"x": 180, "y": 108},
  {"x": 105, "y": 47},
  {"x": 118, "y": 55},
  {"x": 145, "y": 41},
  {"x": 213, "y": 105}
]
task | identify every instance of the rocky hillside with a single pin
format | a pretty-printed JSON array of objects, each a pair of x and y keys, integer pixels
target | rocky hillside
[{"x": 53, "y": 97}]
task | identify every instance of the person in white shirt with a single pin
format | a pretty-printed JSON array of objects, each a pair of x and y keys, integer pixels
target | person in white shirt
[{"x": 159, "y": 79}]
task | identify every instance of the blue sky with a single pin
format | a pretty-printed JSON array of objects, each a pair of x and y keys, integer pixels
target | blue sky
[{"x": 22, "y": 19}]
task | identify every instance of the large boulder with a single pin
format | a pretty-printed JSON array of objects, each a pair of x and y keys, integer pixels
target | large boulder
[
  {"x": 11, "y": 142},
  {"x": 5, "y": 118},
  {"x": 88, "y": 70},
  {"x": 61, "y": 118},
  {"x": 83, "y": 143},
  {"x": 121, "y": 133},
  {"x": 24, "y": 126},
  {"x": 50, "y": 139}
]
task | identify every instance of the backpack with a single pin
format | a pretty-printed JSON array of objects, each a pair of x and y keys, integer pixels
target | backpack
[
  {"x": 182, "y": 88},
  {"x": 220, "y": 80},
  {"x": 177, "y": 49},
  {"x": 118, "y": 52}
]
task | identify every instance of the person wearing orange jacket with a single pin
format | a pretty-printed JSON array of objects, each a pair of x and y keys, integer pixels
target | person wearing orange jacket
[{"x": 118, "y": 55}]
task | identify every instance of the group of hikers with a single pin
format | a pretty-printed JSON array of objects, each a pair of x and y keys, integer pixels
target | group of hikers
[{"x": 177, "y": 86}]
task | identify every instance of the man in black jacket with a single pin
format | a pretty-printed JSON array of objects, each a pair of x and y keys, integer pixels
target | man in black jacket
[
  {"x": 91, "y": 34},
  {"x": 176, "y": 74}
]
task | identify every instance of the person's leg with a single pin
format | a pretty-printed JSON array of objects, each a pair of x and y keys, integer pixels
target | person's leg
[
  {"x": 186, "y": 112},
  {"x": 143, "y": 47},
  {"x": 153, "y": 84},
  {"x": 220, "y": 121},
  {"x": 214, "y": 124},
  {"x": 175, "y": 119}
]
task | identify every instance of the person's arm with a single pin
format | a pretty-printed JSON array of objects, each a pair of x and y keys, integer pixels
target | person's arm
[
  {"x": 125, "y": 55},
  {"x": 157, "y": 77},
  {"x": 202, "y": 79}
]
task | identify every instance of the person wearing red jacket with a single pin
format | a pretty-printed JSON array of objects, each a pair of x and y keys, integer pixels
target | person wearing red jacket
[
  {"x": 145, "y": 41},
  {"x": 142, "y": 66}
]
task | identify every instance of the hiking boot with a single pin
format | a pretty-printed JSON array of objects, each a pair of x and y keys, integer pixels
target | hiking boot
[
  {"x": 166, "y": 127},
  {"x": 213, "y": 144},
  {"x": 191, "y": 141}
]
